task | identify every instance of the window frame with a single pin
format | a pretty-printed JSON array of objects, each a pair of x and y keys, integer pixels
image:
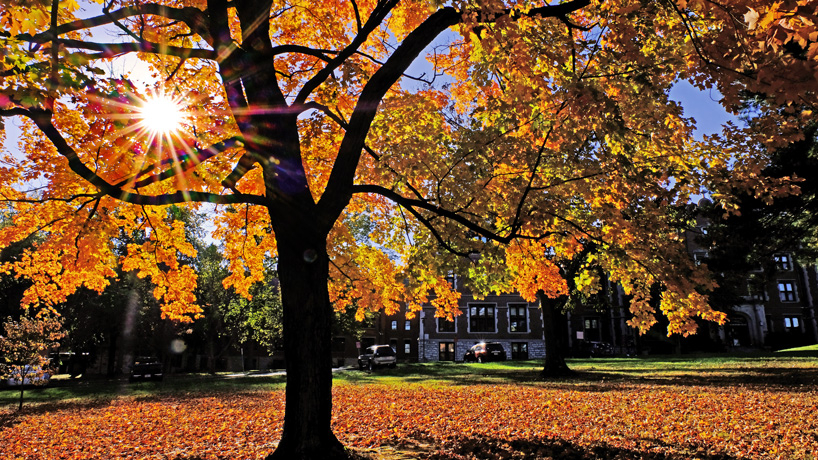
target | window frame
[
  {"x": 525, "y": 317},
  {"x": 793, "y": 323},
  {"x": 484, "y": 319},
  {"x": 756, "y": 290},
  {"x": 783, "y": 261},
  {"x": 785, "y": 293},
  {"x": 440, "y": 330},
  {"x": 516, "y": 355}
]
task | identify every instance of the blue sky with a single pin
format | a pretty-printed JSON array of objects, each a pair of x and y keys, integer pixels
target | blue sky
[{"x": 703, "y": 106}]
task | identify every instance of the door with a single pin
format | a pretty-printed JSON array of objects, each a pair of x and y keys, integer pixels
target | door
[{"x": 446, "y": 351}]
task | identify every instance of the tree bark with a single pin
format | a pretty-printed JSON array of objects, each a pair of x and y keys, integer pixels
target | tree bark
[
  {"x": 554, "y": 365},
  {"x": 303, "y": 268}
]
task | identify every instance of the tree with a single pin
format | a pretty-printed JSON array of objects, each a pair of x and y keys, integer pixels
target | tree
[
  {"x": 534, "y": 127},
  {"x": 749, "y": 240},
  {"x": 24, "y": 347},
  {"x": 555, "y": 307},
  {"x": 230, "y": 319}
]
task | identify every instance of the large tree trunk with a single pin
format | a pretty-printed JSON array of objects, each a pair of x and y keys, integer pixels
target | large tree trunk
[
  {"x": 303, "y": 269},
  {"x": 554, "y": 365}
]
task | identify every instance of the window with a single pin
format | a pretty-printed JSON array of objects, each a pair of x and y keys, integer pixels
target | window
[
  {"x": 755, "y": 289},
  {"x": 452, "y": 280},
  {"x": 444, "y": 325},
  {"x": 407, "y": 347},
  {"x": 393, "y": 344},
  {"x": 786, "y": 291},
  {"x": 394, "y": 325},
  {"x": 783, "y": 262},
  {"x": 519, "y": 350},
  {"x": 699, "y": 257},
  {"x": 408, "y": 325},
  {"x": 592, "y": 332},
  {"x": 481, "y": 318},
  {"x": 518, "y": 318},
  {"x": 792, "y": 323},
  {"x": 446, "y": 351}
]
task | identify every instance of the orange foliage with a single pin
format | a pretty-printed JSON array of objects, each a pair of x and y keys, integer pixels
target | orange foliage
[
  {"x": 549, "y": 120},
  {"x": 496, "y": 421}
]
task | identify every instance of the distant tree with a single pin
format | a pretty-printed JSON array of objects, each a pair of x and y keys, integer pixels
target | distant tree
[
  {"x": 749, "y": 239},
  {"x": 24, "y": 346},
  {"x": 231, "y": 319}
]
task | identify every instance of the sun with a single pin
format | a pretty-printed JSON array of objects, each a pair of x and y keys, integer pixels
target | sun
[{"x": 161, "y": 114}]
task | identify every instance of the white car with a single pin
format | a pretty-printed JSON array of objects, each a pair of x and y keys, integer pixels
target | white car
[{"x": 377, "y": 356}]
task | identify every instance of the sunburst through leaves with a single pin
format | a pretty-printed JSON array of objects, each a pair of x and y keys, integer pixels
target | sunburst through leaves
[{"x": 162, "y": 114}]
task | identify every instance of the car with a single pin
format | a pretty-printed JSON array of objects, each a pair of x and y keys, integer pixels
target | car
[
  {"x": 146, "y": 368},
  {"x": 377, "y": 356},
  {"x": 600, "y": 349},
  {"x": 484, "y": 352}
]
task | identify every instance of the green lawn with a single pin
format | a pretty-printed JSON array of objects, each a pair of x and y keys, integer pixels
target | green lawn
[
  {"x": 793, "y": 367},
  {"x": 806, "y": 349},
  {"x": 688, "y": 369}
]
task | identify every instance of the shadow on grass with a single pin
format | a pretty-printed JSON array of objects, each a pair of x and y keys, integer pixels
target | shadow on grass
[
  {"x": 772, "y": 373},
  {"x": 92, "y": 393},
  {"x": 558, "y": 449}
]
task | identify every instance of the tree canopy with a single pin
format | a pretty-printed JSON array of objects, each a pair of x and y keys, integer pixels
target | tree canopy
[{"x": 528, "y": 128}]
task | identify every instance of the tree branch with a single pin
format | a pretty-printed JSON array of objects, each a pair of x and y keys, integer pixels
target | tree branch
[
  {"x": 43, "y": 121},
  {"x": 187, "y": 163},
  {"x": 341, "y": 180},
  {"x": 414, "y": 204},
  {"x": 116, "y": 49},
  {"x": 378, "y": 15},
  {"x": 306, "y": 50},
  {"x": 195, "y": 19}
]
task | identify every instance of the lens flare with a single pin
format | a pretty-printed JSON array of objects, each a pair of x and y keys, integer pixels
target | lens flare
[{"x": 162, "y": 114}]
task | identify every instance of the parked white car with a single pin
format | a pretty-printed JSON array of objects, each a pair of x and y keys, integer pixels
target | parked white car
[{"x": 377, "y": 356}]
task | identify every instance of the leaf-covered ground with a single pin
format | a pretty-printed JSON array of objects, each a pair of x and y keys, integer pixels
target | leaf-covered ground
[{"x": 618, "y": 420}]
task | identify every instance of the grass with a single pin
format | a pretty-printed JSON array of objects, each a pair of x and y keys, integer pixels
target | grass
[
  {"x": 715, "y": 369},
  {"x": 807, "y": 349},
  {"x": 789, "y": 367},
  {"x": 64, "y": 389}
]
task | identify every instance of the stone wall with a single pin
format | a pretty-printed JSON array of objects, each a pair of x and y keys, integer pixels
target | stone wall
[{"x": 429, "y": 349}]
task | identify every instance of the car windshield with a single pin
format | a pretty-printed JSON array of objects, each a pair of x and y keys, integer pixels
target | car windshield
[{"x": 384, "y": 351}]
